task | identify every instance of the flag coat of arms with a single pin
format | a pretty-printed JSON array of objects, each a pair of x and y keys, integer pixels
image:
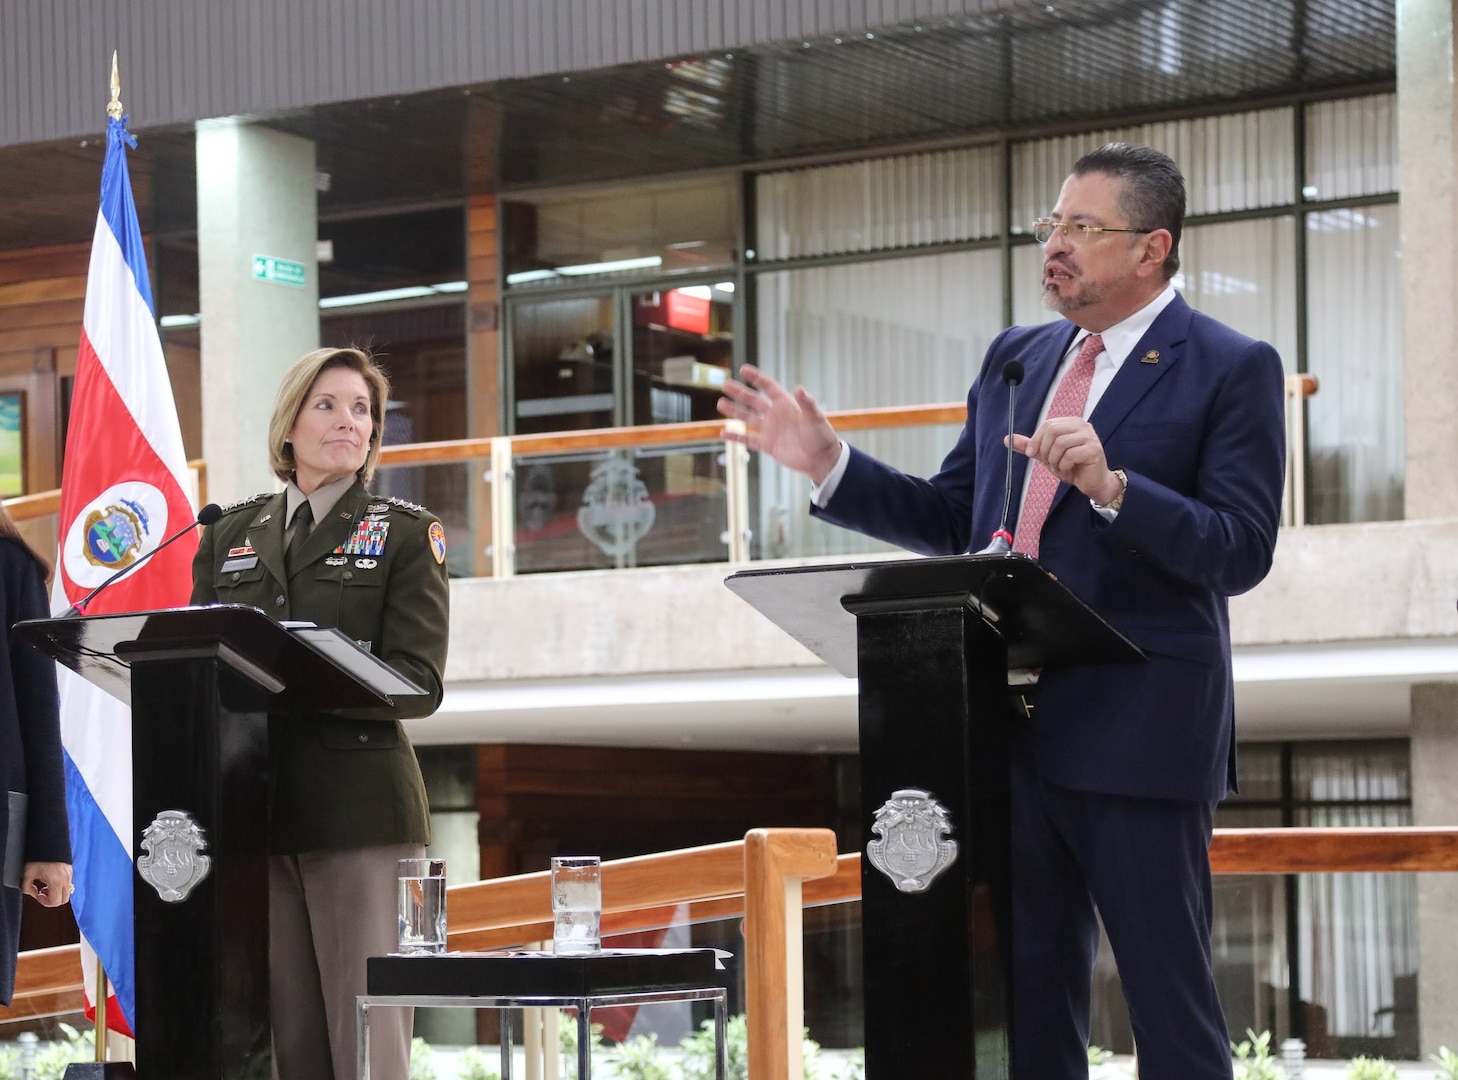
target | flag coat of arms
[{"x": 124, "y": 488}]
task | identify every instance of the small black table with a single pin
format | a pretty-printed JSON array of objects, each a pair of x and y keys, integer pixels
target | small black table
[{"x": 518, "y": 979}]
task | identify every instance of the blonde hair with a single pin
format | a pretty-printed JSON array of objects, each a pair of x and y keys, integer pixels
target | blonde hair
[{"x": 294, "y": 391}]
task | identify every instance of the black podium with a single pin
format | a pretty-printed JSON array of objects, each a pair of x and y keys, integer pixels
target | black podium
[
  {"x": 932, "y": 641},
  {"x": 201, "y": 683}
]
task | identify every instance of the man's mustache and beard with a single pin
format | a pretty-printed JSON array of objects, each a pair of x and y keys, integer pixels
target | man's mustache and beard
[{"x": 1064, "y": 289}]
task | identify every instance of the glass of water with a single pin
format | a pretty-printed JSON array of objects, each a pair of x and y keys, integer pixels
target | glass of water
[
  {"x": 576, "y": 904},
  {"x": 422, "y": 906}
]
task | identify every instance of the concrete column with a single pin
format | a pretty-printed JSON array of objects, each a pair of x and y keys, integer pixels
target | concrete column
[
  {"x": 256, "y": 196},
  {"x": 1425, "y": 124},
  {"x": 1435, "y": 802}
]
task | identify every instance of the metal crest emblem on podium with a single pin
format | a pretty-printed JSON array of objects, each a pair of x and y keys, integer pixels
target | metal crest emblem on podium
[
  {"x": 174, "y": 863},
  {"x": 911, "y": 846}
]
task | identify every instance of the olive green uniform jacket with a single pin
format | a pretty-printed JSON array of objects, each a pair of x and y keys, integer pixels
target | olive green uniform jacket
[{"x": 346, "y": 780}]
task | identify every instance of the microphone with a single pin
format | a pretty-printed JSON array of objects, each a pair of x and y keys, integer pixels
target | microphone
[
  {"x": 1002, "y": 540},
  {"x": 208, "y": 515}
]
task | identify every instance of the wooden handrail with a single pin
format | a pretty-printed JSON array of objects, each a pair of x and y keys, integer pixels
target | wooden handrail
[
  {"x": 776, "y": 862},
  {"x": 638, "y": 894},
  {"x": 1376, "y": 850},
  {"x": 41, "y": 503},
  {"x": 659, "y": 434},
  {"x": 644, "y": 893},
  {"x": 49, "y": 502}
]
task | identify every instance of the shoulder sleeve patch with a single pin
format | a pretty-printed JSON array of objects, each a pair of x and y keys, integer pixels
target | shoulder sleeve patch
[{"x": 437, "y": 541}]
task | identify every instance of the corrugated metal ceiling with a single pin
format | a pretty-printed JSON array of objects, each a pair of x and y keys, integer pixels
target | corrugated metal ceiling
[{"x": 1020, "y": 69}]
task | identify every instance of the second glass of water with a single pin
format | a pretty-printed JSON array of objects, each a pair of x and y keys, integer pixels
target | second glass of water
[
  {"x": 422, "y": 906},
  {"x": 576, "y": 904}
]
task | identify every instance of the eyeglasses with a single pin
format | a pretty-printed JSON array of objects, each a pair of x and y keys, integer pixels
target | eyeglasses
[{"x": 1044, "y": 228}]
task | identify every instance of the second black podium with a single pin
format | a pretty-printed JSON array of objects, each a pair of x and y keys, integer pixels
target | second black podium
[{"x": 932, "y": 641}]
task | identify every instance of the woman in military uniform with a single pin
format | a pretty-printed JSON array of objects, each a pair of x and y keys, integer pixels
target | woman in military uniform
[{"x": 346, "y": 795}]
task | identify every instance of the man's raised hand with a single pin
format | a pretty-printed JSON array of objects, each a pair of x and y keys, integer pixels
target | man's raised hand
[{"x": 788, "y": 427}]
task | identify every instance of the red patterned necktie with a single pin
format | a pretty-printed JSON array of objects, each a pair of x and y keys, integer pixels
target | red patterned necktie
[{"x": 1068, "y": 400}]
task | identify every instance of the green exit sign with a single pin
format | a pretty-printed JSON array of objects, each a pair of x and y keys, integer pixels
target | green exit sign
[{"x": 278, "y": 271}]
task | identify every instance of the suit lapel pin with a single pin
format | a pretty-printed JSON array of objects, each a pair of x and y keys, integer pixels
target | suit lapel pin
[{"x": 1151, "y": 357}]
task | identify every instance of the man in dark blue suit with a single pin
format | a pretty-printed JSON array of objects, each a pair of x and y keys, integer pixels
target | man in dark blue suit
[{"x": 1151, "y": 485}]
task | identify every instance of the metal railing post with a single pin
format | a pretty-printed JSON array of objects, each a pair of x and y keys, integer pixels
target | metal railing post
[
  {"x": 503, "y": 509},
  {"x": 737, "y": 533},
  {"x": 1298, "y": 388}
]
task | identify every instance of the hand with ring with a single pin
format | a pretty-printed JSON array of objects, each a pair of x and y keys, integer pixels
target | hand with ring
[{"x": 49, "y": 882}]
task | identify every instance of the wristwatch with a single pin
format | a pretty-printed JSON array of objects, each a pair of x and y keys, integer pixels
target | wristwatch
[{"x": 1118, "y": 500}]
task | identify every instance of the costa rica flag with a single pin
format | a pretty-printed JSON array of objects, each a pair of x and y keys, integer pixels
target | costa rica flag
[{"x": 124, "y": 488}]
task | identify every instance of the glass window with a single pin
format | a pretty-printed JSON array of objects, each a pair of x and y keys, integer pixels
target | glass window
[
  {"x": 1357, "y": 933},
  {"x": 1354, "y": 426},
  {"x": 1238, "y": 161},
  {"x": 892, "y": 202},
  {"x": 893, "y": 332},
  {"x": 562, "y": 368},
  {"x": 1351, "y": 147},
  {"x": 679, "y": 227},
  {"x": 683, "y": 347},
  {"x": 1243, "y": 273}
]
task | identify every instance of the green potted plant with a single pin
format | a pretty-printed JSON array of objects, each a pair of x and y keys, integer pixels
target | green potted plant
[
  {"x": 1365, "y": 1068},
  {"x": 1253, "y": 1060},
  {"x": 1447, "y": 1063}
]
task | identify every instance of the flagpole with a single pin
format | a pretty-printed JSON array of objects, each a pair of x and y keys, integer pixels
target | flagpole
[{"x": 103, "y": 989}]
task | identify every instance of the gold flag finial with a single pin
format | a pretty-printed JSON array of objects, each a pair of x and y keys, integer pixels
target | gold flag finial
[{"x": 114, "y": 106}]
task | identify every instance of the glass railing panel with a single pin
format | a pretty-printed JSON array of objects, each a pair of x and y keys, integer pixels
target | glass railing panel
[
  {"x": 834, "y": 989},
  {"x": 780, "y": 499},
  {"x": 606, "y": 509},
  {"x": 454, "y": 492}
]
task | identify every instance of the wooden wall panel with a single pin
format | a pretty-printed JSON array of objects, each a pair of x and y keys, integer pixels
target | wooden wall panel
[
  {"x": 42, "y": 301},
  {"x": 42, "y": 298},
  {"x": 44, "y": 264},
  {"x": 539, "y": 801}
]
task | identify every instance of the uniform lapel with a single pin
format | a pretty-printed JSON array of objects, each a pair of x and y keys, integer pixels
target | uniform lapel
[
  {"x": 265, "y": 534},
  {"x": 334, "y": 530}
]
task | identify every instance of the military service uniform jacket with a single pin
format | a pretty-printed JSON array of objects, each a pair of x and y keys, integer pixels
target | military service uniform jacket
[{"x": 375, "y": 568}]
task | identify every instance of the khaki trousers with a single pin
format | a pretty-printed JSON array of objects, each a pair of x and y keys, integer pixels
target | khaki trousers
[{"x": 328, "y": 912}]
